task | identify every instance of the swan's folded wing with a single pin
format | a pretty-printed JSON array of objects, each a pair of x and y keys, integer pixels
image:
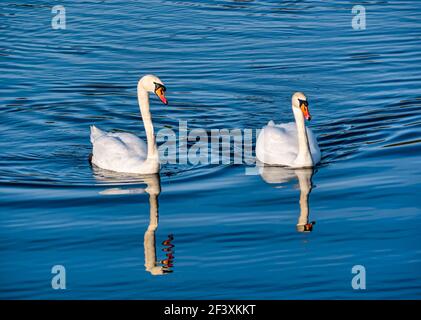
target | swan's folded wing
[
  {"x": 277, "y": 144},
  {"x": 133, "y": 143},
  {"x": 281, "y": 138},
  {"x": 111, "y": 153},
  {"x": 109, "y": 148}
]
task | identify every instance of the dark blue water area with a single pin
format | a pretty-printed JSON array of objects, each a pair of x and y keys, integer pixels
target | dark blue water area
[{"x": 232, "y": 234}]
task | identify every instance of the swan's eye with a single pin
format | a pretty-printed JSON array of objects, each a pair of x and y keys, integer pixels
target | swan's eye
[
  {"x": 159, "y": 86},
  {"x": 303, "y": 102}
]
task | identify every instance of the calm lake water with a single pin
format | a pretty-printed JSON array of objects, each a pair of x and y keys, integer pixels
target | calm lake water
[{"x": 226, "y": 64}]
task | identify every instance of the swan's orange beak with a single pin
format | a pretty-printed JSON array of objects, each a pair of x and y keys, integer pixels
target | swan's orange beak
[
  {"x": 160, "y": 92},
  {"x": 305, "y": 110}
]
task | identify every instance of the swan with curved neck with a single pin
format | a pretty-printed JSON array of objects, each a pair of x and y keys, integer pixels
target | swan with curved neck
[
  {"x": 289, "y": 144},
  {"x": 125, "y": 152}
]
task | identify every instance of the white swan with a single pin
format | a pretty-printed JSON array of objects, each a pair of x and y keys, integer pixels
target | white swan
[
  {"x": 125, "y": 152},
  {"x": 289, "y": 144}
]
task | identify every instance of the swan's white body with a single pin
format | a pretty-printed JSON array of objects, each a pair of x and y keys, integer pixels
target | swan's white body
[
  {"x": 289, "y": 144},
  {"x": 121, "y": 152},
  {"x": 277, "y": 144},
  {"x": 125, "y": 152}
]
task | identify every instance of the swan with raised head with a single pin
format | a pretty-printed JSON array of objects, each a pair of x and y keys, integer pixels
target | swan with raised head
[
  {"x": 125, "y": 152},
  {"x": 289, "y": 144}
]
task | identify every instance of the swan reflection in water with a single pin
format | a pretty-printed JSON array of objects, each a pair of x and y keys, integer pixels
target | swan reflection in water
[
  {"x": 153, "y": 189},
  {"x": 276, "y": 175}
]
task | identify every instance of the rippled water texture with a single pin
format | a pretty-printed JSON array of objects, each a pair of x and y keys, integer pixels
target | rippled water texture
[{"x": 221, "y": 233}]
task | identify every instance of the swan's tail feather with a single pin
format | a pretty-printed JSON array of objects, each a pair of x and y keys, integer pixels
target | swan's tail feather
[{"x": 96, "y": 133}]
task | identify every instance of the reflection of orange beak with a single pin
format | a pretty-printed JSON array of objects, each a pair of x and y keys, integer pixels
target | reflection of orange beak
[
  {"x": 167, "y": 243},
  {"x": 161, "y": 95},
  {"x": 306, "y": 112},
  {"x": 308, "y": 227}
]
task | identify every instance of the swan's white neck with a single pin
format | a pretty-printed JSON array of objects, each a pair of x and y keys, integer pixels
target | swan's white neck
[
  {"x": 304, "y": 158},
  {"x": 143, "y": 99}
]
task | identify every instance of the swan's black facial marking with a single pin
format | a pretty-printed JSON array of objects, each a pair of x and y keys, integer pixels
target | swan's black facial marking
[
  {"x": 304, "y": 102},
  {"x": 158, "y": 86}
]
